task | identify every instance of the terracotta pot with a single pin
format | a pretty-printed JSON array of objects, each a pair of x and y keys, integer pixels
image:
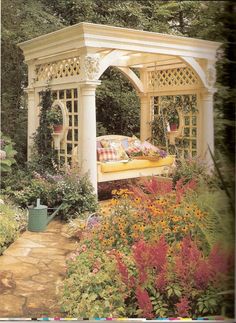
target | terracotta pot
[
  {"x": 58, "y": 128},
  {"x": 173, "y": 127}
]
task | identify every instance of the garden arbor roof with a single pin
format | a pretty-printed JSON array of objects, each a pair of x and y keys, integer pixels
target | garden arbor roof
[{"x": 76, "y": 57}]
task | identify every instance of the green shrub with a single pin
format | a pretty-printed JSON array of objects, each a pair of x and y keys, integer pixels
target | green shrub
[
  {"x": 188, "y": 169},
  {"x": 15, "y": 181},
  {"x": 12, "y": 222},
  {"x": 74, "y": 191},
  {"x": 93, "y": 287}
]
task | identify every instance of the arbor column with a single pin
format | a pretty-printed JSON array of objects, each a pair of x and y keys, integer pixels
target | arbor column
[
  {"x": 87, "y": 152},
  {"x": 32, "y": 120},
  {"x": 207, "y": 126},
  {"x": 145, "y": 117}
]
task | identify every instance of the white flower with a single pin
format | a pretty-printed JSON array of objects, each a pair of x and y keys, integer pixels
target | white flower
[{"x": 2, "y": 154}]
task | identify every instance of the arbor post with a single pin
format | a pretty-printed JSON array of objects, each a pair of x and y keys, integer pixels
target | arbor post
[{"x": 87, "y": 148}]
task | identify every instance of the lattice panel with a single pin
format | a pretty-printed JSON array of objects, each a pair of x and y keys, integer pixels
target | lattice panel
[
  {"x": 70, "y": 99},
  {"x": 58, "y": 69},
  {"x": 186, "y": 142},
  {"x": 177, "y": 77}
]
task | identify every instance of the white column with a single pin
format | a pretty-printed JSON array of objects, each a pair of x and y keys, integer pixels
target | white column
[
  {"x": 207, "y": 126},
  {"x": 145, "y": 117},
  {"x": 87, "y": 152},
  {"x": 32, "y": 120}
]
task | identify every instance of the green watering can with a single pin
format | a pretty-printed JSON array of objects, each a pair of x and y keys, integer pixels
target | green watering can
[{"x": 39, "y": 218}]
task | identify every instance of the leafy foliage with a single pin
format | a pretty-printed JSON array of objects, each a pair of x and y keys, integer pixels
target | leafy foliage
[
  {"x": 44, "y": 156},
  {"x": 118, "y": 108},
  {"x": 7, "y": 154},
  {"x": 92, "y": 287},
  {"x": 75, "y": 192},
  {"x": 12, "y": 221}
]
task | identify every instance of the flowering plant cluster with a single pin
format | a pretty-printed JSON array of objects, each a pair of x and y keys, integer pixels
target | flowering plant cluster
[
  {"x": 137, "y": 215},
  {"x": 153, "y": 250},
  {"x": 74, "y": 191},
  {"x": 151, "y": 280}
]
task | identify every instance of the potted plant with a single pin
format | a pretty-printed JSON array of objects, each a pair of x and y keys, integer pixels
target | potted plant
[
  {"x": 173, "y": 120},
  {"x": 55, "y": 118}
]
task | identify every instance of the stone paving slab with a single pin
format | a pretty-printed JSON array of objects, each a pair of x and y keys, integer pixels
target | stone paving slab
[{"x": 31, "y": 273}]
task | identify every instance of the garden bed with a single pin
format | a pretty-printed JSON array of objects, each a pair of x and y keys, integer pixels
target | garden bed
[{"x": 154, "y": 253}]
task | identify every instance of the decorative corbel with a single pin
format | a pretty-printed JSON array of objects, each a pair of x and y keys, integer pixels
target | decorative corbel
[{"x": 90, "y": 66}]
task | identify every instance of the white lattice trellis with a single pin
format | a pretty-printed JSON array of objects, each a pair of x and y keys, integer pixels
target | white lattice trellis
[
  {"x": 177, "y": 77},
  {"x": 58, "y": 69}
]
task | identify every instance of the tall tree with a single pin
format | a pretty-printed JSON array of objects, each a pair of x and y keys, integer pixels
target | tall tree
[{"x": 21, "y": 20}]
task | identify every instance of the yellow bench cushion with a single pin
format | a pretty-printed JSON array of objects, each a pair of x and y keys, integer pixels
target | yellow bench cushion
[{"x": 118, "y": 166}]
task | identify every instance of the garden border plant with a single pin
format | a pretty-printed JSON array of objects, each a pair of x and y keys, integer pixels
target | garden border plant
[{"x": 130, "y": 236}]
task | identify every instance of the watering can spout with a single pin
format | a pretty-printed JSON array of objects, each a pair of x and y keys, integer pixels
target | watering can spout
[{"x": 50, "y": 217}]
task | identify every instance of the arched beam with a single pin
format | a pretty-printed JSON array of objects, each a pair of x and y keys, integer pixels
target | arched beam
[
  {"x": 196, "y": 67},
  {"x": 133, "y": 78},
  {"x": 109, "y": 60}
]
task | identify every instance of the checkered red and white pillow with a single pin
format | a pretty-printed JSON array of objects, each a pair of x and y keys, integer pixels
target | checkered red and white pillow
[{"x": 107, "y": 154}]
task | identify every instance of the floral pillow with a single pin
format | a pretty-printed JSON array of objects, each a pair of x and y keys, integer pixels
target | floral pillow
[
  {"x": 119, "y": 149},
  {"x": 105, "y": 143},
  {"x": 151, "y": 150}
]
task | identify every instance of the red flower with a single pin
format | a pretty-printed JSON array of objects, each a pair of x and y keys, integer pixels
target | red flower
[
  {"x": 187, "y": 261},
  {"x": 183, "y": 307},
  {"x": 181, "y": 188},
  {"x": 202, "y": 274},
  {"x": 149, "y": 256},
  {"x": 144, "y": 302},
  {"x": 123, "y": 270},
  {"x": 161, "y": 280},
  {"x": 218, "y": 261}
]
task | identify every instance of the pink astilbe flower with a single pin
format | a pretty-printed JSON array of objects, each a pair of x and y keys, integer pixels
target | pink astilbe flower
[
  {"x": 149, "y": 256},
  {"x": 128, "y": 280},
  {"x": 182, "y": 188},
  {"x": 187, "y": 261},
  {"x": 138, "y": 192},
  {"x": 161, "y": 280},
  {"x": 202, "y": 274},
  {"x": 144, "y": 302},
  {"x": 219, "y": 262},
  {"x": 158, "y": 254},
  {"x": 183, "y": 307},
  {"x": 157, "y": 187}
]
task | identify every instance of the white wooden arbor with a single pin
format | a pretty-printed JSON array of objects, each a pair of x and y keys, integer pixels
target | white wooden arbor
[{"x": 72, "y": 60}]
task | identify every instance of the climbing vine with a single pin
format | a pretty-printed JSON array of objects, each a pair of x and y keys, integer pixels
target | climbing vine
[{"x": 44, "y": 155}]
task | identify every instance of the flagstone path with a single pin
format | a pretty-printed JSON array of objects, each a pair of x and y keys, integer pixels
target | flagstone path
[{"x": 31, "y": 271}]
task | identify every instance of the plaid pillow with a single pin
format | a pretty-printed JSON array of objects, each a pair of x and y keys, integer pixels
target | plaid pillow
[{"x": 107, "y": 154}]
